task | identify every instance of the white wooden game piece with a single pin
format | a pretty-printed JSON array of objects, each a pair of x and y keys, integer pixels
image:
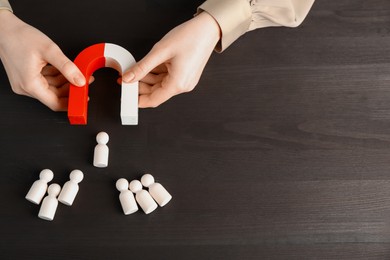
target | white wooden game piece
[
  {"x": 126, "y": 197},
  {"x": 100, "y": 157},
  {"x": 50, "y": 203},
  {"x": 71, "y": 187},
  {"x": 39, "y": 187},
  {"x": 143, "y": 197},
  {"x": 158, "y": 192}
]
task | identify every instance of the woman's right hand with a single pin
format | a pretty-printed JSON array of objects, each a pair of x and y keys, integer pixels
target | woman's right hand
[{"x": 35, "y": 65}]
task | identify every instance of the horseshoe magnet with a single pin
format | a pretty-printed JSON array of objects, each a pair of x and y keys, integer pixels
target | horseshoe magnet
[{"x": 91, "y": 59}]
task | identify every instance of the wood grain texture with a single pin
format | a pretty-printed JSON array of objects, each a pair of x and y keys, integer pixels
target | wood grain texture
[{"x": 281, "y": 152}]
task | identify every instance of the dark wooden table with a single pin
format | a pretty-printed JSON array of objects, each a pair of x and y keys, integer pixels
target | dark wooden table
[{"x": 281, "y": 152}]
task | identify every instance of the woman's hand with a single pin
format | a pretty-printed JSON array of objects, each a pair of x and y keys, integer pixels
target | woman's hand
[
  {"x": 176, "y": 62},
  {"x": 35, "y": 65}
]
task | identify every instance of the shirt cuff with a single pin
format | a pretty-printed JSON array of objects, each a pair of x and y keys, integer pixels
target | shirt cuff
[
  {"x": 233, "y": 16},
  {"x": 4, "y": 5}
]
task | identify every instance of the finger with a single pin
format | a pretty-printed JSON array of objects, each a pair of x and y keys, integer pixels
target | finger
[
  {"x": 56, "y": 57},
  {"x": 22, "y": 92},
  {"x": 60, "y": 80},
  {"x": 91, "y": 79},
  {"x": 62, "y": 91},
  {"x": 162, "y": 68},
  {"x": 56, "y": 81},
  {"x": 59, "y": 91},
  {"x": 153, "y": 59},
  {"x": 152, "y": 79},
  {"x": 158, "y": 96},
  {"x": 19, "y": 89},
  {"x": 52, "y": 101},
  {"x": 144, "y": 88},
  {"x": 50, "y": 70},
  {"x": 48, "y": 96}
]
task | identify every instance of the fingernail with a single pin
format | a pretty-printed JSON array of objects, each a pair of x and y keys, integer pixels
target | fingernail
[
  {"x": 80, "y": 81},
  {"x": 128, "y": 77}
]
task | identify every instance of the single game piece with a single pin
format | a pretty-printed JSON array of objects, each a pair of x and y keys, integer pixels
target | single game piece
[
  {"x": 50, "y": 203},
  {"x": 100, "y": 157},
  {"x": 39, "y": 187},
  {"x": 71, "y": 187},
  {"x": 126, "y": 197},
  {"x": 143, "y": 197},
  {"x": 89, "y": 60},
  {"x": 158, "y": 192}
]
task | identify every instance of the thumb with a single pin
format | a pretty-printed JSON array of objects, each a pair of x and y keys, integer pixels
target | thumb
[
  {"x": 71, "y": 72},
  {"x": 154, "y": 58}
]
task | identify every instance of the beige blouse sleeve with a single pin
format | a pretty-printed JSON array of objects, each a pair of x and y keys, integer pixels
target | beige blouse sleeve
[
  {"x": 236, "y": 17},
  {"x": 4, "y": 5}
]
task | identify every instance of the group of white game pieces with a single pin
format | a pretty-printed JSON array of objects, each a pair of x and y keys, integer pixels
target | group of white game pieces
[
  {"x": 146, "y": 200},
  {"x": 66, "y": 195},
  {"x": 50, "y": 202}
]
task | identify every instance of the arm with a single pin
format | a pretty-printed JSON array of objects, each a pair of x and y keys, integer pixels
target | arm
[
  {"x": 176, "y": 62},
  {"x": 35, "y": 65},
  {"x": 236, "y": 17},
  {"x": 4, "y": 5}
]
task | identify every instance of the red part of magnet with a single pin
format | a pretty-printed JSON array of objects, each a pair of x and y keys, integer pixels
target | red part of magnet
[{"x": 88, "y": 61}]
